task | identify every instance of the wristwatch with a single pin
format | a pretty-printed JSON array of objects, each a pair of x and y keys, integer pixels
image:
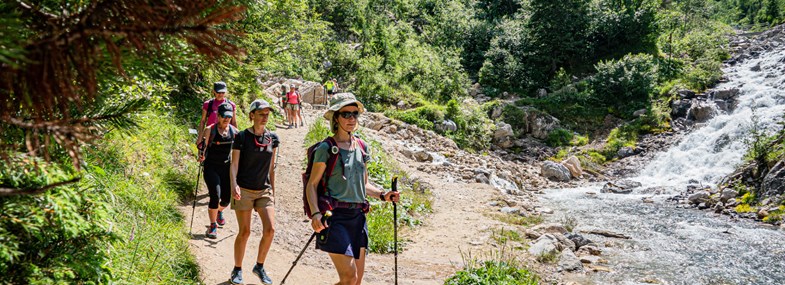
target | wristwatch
[{"x": 381, "y": 195}]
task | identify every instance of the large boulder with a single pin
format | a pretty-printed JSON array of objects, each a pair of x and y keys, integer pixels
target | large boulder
[
  {"x": 569, "y": 262},
  {"x": 503, "y": 130},
  {"x": 541, "y": 124},
  {"x": 725, "y": 94},
  {"x": 545, "y": 244},
  {"x": 447, "y": 125},
  {"x": 686, "y": 94},
  {"x": 774, "y": 183},
  {"x": 620, "y": 187},
  {"x": 313, "y": 93},
  {"x": 555, "y": 171},
  {"x": 701, "y": 111},
  {"x": 679, "y": 108}
]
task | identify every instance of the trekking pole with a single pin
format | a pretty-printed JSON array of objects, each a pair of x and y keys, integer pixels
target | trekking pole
[
  {"x": 193, "y": 208},
  {"x": 395, "y": 227},
  {"x": 294, "y": 263}
]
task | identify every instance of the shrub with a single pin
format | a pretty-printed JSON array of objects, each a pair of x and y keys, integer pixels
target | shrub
[
  {"x": 500, "y": 269},
  {"x": 624, "y": 84},
  {"x": 559, "y": 137}
]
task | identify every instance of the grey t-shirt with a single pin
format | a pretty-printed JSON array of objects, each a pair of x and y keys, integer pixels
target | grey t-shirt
[{"x": 347, "y": 182}]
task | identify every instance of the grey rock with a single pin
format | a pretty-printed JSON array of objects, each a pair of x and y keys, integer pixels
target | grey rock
[
  {"x": 551, "y": 228},
  {"x": 686, "y": 94},
  {"x": 701, "y": 111},
  {"x": 447, "y": 125},
  {"x": 545, "y": 244},
  {"x": 544, "y": 210},
  {"x": 591, "y": 259},
  {"x": 509, "y": 210},
  {"x": 727, "y": 194},
  {"x": 578, "y": 239},
  {"x": 542, "y": 92},
  {"x": 555, "y": 171},
  {"x": 496, "y": 112},
  {"x": 773, "y": 185},
  {"x": 589, "y": 249},
  {"x": 639, "y": 113},
  {"x": 423, "y": 156},
  {"x": 407, "y": 153},
  {"x": 565, "y": 242},
  {"x": 620, "y": 187},
  {"x": 569, "y": 262},
  {"x": 725, "y": 94},
  {"x": 530, "y": 234},
  {"x": 625, "y": 152},
  {"x": 698, "y": 198},
  {"x": 479, "y": 178},
  {"x": 755, "y": 68},
  {"x": 503, "y": 130},
  {"x": 679, "y": 108},
  {"x": 392, "y": 129}
]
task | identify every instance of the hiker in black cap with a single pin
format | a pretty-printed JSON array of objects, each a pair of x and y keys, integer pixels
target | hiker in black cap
[
  {"x": 253, "y": 184},
  {"x": 345, "y": 235},
  {"x": 210, "y": 107},
  {"x": 217, "y": 145}
]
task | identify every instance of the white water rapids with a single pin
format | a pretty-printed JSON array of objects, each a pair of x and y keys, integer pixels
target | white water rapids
[{"x": 673, "y": 245}]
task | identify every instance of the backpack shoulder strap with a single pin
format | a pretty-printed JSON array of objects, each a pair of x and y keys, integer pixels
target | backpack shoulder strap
[
  {"x": 210, "y": 107},
  {"x": 213, "y": 132},
  {"x": 332, "y": 159}
]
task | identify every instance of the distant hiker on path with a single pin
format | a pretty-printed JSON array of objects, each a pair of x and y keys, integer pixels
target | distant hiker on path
[
  {"x": 331, "y": 86},
  {"x": 210, "y": 107},
  {"x": 345, "y": 235},
  {"x": 282, "y": 100},
  {"x": 253, "y": 182},
  {"x": 292, "y": 105},
  {"x": 217, "y": 146}
]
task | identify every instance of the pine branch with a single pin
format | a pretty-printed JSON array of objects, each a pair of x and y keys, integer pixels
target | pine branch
[{"x": 5, "y": 192}]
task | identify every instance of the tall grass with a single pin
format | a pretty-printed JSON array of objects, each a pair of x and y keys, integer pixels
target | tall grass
[
  {"x": 499, "y": 267},
  {"x": 144, "y": 176}
]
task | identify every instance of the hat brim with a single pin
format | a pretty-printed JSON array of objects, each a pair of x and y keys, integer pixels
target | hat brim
[
  {"x": 227, "y": 114},
  {"x": 329, "y": 114},
  {"x": 220, "y": 90}
]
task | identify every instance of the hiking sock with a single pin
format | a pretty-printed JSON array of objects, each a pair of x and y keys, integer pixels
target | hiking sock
[
  {"x": 260, "y": 264},
  {"x": 237, "y": 268}
]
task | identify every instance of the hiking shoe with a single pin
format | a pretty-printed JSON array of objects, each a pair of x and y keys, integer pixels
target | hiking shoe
[
  {"x": 237, "y": 277},
  {"x": 212, "y": 232},
  {"x": 221, "y": 221},
  {"x": 259, "y": 271}
]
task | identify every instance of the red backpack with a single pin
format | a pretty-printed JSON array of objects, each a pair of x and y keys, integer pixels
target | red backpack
[{"x": 324, "y": 201}]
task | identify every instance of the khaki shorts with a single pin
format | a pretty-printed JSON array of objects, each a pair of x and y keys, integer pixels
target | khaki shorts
[
  {"x": 293, "y": 107},
  {"x": 253, "y": 199}
]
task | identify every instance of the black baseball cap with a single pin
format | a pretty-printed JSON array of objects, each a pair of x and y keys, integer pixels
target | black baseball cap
[
  {"x": 225, "y": 110},
  {"x": 219, "y": 87}
]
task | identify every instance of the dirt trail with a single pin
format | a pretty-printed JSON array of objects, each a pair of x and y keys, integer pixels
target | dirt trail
[{"x": 432, "y": 254}]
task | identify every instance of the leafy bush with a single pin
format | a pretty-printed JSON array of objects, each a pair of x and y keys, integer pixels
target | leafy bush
[
  {"x": 624, "y": 84},
  {"x": 500, "y": 269},
  {"x": 57, "y": 237},
  {"x": 559, "y": 137}
]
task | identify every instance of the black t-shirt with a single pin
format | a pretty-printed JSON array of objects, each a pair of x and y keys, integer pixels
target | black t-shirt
[
  {"x": 218, "y": 152},
  {"x": 256, "y": 153}
]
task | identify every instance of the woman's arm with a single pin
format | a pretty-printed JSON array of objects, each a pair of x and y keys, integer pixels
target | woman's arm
[
  {"x": 372, "y": 191},
  {"x": 272, "y": 170},
  {"x": 233, "y": 173},
  {"x": 203, "y": 139},
  {"x": 317, "y": 171}
]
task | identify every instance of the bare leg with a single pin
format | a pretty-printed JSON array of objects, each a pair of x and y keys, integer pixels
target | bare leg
[
  {"x": 244, "y": 223},
  {"x": 213, "y": 213},
  {"x": 268, "y": 231},
  {"x": 360, "y": 264},
  {"x": 347, "y": 270}
]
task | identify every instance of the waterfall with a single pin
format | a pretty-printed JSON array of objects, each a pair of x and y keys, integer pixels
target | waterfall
[{"x": 715, "y": 149}]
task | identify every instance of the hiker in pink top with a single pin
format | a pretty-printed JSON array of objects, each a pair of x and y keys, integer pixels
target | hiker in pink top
[
  {"x": 210, "y": 107},
  {"x": 293, "y": 106}
]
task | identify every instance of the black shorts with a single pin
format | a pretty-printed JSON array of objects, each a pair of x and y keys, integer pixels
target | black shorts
[
  {"x": 330, "y": 92},
  {"x": 346, "y": 234}
]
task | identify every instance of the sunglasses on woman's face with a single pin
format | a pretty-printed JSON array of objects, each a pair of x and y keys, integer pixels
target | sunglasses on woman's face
[{"x": 347, "y": 115}]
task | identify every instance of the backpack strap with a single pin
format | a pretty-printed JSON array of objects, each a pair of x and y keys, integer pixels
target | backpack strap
[
  {"x": 332, "y": 160},
  {"x": 210, "y": 107}
]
